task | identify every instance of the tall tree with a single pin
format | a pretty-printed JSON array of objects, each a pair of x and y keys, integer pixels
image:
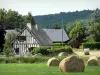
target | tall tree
[
  {"x": 2, "y": 16},
  {"x": 8, "y": 44},
  {"x": 30, "y": 19},
  {"x": 96, "y": 15},
  {"x": 55, "y": 26},
  {"x": 77, "y": 34},
  {"x": 14, "y": 19},
  {"x": 94, "y": 31}
]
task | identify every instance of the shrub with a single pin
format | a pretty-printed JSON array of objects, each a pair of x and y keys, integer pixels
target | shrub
[
  {"x": 91, "y": 45},
  {"x": 42, "y": 50},
  {"x": 11, "y": 60},
  {"x": 2, "y": 60},
  {"x": 31, "y": 48},
  {"x": 35, "y": 59},
  {"x": 66, "y": 49},
  {"x": 58, "y": 44}
]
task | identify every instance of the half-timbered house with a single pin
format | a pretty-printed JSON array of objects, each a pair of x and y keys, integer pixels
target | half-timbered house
[
  {"x": 30, "y": 36},
  {"x": 35, "y": 36}
]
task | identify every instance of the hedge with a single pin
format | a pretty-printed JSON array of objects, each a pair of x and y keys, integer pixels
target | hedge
[
  {"x": 36, "y": 59},
  {"x": 42, "y": 50},
  {"x": 67, "y": 49},
  {"x": 58, "y": 44},
  {"x": 91, "y": 45}
]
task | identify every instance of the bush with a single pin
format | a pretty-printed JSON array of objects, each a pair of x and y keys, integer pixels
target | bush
[
  {"x": 35, "y": 59},
  {"x": 58, "y": 44},
  {"x": 42, "y": 50},
  {"x": 66, "y": 49},
  {"x": 11, "y": 60},
  {"x": 31, "y": 48},
  {"x": 91, "y": 45},
  {"x": 2, "y": 60}
]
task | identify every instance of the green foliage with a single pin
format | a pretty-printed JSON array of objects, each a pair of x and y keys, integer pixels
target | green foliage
[
  {"x": 94, "y": 31},
  {"x": 91, "y": 45},
  {"x": 12, "y": 19},
  {"x": 58, "y": 44},
  {"x": 77, "y": 34},
  {"x": 2, "y": 60},
  {"x": 2, "y": 16},
  {"x": 8, "y": 51},
  {"x": 55, "y": 26},
  {"x": 96, "y": 15},
  {"x": 35, "y": 59},
  {"x": 30, "y": 19},
  {"x": 42, "y": 50},
  {"x": 49, "y": 20},
  {"x": 30, "y": 49},
  {"x": 66, "y": 49}
]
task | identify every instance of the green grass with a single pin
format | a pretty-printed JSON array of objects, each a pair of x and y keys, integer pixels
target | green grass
[{"x": 42, "y": 69}]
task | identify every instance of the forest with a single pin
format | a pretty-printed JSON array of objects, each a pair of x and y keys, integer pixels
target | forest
[{"x": 12, "y": 19}]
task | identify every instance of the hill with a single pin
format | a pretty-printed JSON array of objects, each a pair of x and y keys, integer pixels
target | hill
[{"x": 68, "y": 17}]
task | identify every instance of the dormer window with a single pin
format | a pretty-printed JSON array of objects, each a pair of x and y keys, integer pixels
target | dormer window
[{"x": 22, "y": 38}]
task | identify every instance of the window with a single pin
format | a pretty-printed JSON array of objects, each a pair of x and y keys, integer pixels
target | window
[
  {"x": 22, "y": 38},
  {"x": 17, "y": 51}
]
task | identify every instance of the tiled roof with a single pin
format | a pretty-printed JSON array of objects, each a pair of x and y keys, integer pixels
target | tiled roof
[{"x": 56, "y": 35}]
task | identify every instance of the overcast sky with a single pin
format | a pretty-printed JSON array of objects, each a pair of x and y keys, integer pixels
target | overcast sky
[{"x": 41, "y": 7}]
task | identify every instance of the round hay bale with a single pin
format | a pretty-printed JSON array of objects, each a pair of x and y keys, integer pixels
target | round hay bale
[
  {"x": 86, "y": 51},
  {"x": 63, "y": 54},
  {"x": 93, "y": 61},
  {"x": 53, "y": 62},
  {"x": 72, "y": 64}
]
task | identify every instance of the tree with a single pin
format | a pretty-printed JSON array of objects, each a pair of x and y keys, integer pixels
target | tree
[
  {"x": 8, "y": 44},
  {"x": 96, "y": 15},
  {"x": 94, "y": 31},
  {"x": 11, "y": 19},
  {"x": 77, "y": 34},
  {"x": 30, "y": 19},
  {"x": 2, "y": 16},
  {"x": 55, "y": 26},
  {"x": 14, "y": 19}
]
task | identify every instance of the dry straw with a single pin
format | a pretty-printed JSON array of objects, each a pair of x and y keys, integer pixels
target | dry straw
[
  {"x": 63, "y": 54},
  {"x": 86, "y": 51},
  {"x": 53, "y": 62},
  {"x": 93, "y": 61},
  {"x": 72, "y": 64}
]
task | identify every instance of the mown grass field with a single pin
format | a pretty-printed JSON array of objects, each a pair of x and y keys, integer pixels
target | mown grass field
[{"x": 42, "y": 69}]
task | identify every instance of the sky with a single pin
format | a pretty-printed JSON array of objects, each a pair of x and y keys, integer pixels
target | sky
[{"x": 42, "y": 7}]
